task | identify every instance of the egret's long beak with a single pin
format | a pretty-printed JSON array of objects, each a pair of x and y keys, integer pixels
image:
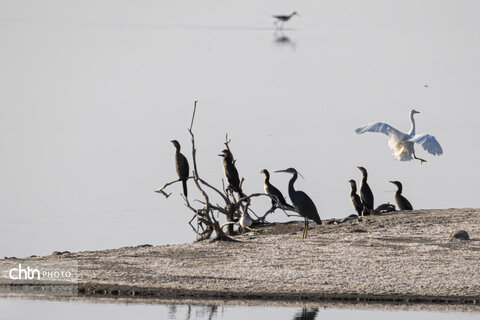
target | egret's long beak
[
  {"x": 220, "y": 155},
  {"x": 392, "y": 182},
  {"x": 279, "y": 171}
]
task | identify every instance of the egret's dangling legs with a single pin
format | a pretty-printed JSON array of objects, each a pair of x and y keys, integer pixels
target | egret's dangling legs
[{"x": 421, "y": 160}]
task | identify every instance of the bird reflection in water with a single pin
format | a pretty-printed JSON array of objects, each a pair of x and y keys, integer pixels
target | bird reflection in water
[
  {"x": 281, "y": 39},
  {"x": 209, "y": 312},
  {"x": 306, "y": 314}
]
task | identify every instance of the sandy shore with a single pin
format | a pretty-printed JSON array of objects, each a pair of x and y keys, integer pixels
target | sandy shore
[{"x": 403, "y": 257}]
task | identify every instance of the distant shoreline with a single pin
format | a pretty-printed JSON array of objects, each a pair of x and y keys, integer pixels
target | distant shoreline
[{"x": 400, "y": 257}]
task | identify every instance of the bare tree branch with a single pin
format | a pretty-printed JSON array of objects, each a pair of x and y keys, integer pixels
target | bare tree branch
[
  {"x": 208, "y": 215},
  {"x": 215, "y": 189},
  {"x": 164, "y": 186},
  {"x": 161, "y": 190}
]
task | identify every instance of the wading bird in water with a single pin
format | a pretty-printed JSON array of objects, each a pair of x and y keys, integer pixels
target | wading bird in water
[
  {"x": 281, "y": 19},
  {"x": 181, "y": 164},
  {"x": 302, "y": 203},
  {"x": 401, "y": 143}
]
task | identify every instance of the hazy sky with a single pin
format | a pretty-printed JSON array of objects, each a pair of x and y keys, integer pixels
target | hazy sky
[{"x": 92, "y": 92}]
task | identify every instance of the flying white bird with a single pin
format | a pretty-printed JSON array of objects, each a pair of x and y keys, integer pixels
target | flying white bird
[{"x": 401, "y": 143}]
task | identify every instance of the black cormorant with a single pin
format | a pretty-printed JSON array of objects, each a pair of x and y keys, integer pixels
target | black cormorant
[
  {"x": 355, "y": 198},
  {"x": 402, "y": 202},
  {"x": 271, "y": 190},
  {"x": 181, "y": 164},
  {"x": 231, "y": 173},
  {"x": 302, "y": 203},
  {"x": 366, "y": 194}
]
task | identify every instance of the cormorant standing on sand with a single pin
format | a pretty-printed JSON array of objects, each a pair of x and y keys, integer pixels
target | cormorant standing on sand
[
  {"x": 181, "y": 164},
  {"x": 366, "y": 194},
  {"x": 402, "y": 202},
  {"x": 271, "y": 190},
  {"x": 355, "y": 198}
]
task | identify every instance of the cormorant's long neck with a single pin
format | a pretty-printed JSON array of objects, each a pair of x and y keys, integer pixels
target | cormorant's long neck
[
  {"x": 412, "y": 128},
  {"x": 354, "y": 189},
  {"x": 399, "y": 190},
  {"x": 267, "y": 178},
  {"x": 364, "y": 179},
  {"x": 291, "y": 189}
]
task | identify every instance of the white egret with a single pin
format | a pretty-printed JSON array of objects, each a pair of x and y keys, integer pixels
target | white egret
[{"x": 401, "y": 143}]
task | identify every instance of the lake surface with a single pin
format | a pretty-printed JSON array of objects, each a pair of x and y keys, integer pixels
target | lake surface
[
  {"x": 91, "y": 93},
  {"x": 15, "y": 309}
]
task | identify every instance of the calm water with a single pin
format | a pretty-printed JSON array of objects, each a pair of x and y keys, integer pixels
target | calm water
[
  {"x": 15, "y": 309},
  {"x": 91, "y": 93}
]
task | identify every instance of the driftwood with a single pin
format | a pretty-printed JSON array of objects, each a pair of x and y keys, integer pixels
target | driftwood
[{"x": 206, "y": 217}]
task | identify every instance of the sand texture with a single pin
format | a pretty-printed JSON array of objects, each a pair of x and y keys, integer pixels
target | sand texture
[{"x": 404, "y": 256}]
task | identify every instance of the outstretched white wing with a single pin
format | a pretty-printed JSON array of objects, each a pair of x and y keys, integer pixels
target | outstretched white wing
[
  {"x": 382, "y": 128},
  {"x": 429, "y": 143}
]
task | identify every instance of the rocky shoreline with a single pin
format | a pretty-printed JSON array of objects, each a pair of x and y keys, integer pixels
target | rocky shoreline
[{"x": 404, "y": 257}]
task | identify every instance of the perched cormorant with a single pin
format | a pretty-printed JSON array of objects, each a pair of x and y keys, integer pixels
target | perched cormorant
[
  {"x": 271, "y": 190},
  {"x": 302, "y": 203},
  {"x": 355, "y": 198},
  {"x": 365, "y": 192},
  {"x": 231, "y": 173},
  {"x": 402, "y": 202},
  {"x": 181, "y": 164}
]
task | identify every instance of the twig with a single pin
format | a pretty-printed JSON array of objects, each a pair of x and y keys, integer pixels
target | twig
[
  {"x": 215, "y": 189},
  {"x": 166, "y": 185}
]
